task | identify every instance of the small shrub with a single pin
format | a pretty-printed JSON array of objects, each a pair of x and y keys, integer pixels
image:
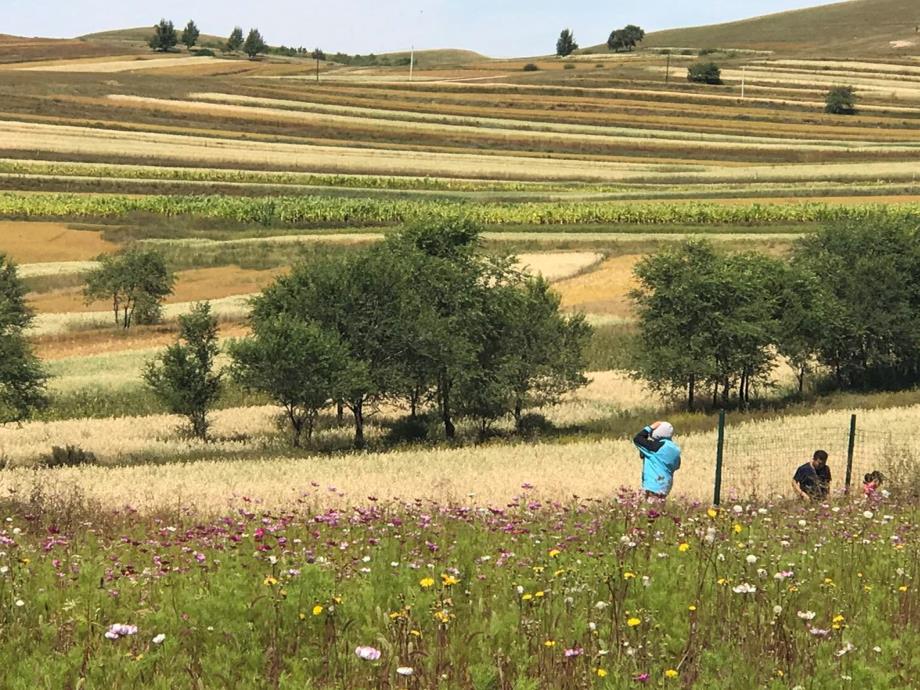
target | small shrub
[
  {"x": 68, "y": 456},
  {"x": 707, "y": 51},
  {"x": 598, "y": 65},
  {"x": 704, "y": 73},
  {"x": 530, "y": 67},
  {"x": 569, "y": 65},
  {"x": 840, "y": 100},
  {"x": 409, "y": 430},
  {"x": 204, "y": 52}
]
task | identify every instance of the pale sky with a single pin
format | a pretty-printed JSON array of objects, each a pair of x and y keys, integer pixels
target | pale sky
[{"x": 492, "y": 27}]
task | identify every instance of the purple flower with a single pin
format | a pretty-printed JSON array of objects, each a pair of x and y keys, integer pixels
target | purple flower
[
  {"x": 574, "y": 651},
  {"x": 367, "y": 653},
  {"x": 641, "y": 678},
  {"x": 819, "y": 632}
]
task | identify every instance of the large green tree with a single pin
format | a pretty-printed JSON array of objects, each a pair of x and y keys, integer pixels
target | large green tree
[
  {"x": 870, "y": 272},
  {"x": 235, "y": 41},
  {"x": 301, "y": 366},
  {"x": 566, "y": 45},
  {"x": 254, "y": 44},
  {"x": 164, "y": 36},
  {"x": 135, "y": 282},
  {"x": 190, "y": 35},
  {"x": 22, "y": 380},
  {"x": 184, "y": 376},
  {"x": 626, "y": 38}
]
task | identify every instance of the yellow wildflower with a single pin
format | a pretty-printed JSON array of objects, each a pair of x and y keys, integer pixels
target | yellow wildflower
[
  {"x": 527, "y": 597},
  {"x": 415, "y": 633},
  {"x": 448, "y": 580},
  {"x": 629, "y": 576},
  {"x": 902, "y": 588},
  {"x": 539, "y": 595},
  {"x": 426, "y": 582},
  {"x": 683, "y": 547},
  {"x": 633, "y": 622},
  {"x": 317, "y": 610},
  {"x": 549, "y": 643},
  {"x": 691, "y": 607},
  {"x": 738, "y": 528},
  {"x": 713, "y": 513},
  {"x": 600, "y": 672},
  {"x": 554, "y": 552},
  {"x": 670, "y": 673},
  {"x": 269, "y": 581}
]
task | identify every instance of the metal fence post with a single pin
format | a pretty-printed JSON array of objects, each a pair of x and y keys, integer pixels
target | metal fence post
[
  {"x": 720, "y": 445},
  {"x": 850, "y": 446}
]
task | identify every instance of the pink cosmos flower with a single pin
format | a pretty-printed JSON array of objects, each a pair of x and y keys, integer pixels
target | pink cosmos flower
[
  {"x": 117, "y": 630},
  {"x": 367, "y": 653},
  {"x": 573, "y": 652}
]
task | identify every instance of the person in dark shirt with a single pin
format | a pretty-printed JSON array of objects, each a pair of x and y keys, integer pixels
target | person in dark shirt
[{"x": 812, "y": 481}]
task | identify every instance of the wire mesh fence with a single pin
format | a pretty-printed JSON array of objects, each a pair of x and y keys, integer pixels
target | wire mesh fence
[{"x": 759, "y": 463}]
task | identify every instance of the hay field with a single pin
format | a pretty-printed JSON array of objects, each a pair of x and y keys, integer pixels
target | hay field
[
  {"x": 29, "y": 242},
  {"x": 191, "y": 286},
  {"x": 485, "y": 475},
  {"x": 603, "y": 291}
]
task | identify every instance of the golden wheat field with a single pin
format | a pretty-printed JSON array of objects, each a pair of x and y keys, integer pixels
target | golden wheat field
[{"x": 760, "y": 457}]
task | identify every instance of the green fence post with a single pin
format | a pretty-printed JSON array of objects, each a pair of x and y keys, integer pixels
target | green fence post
[
  {"x": 720, "y": 445},
  {"x": 850, "y": 446}
]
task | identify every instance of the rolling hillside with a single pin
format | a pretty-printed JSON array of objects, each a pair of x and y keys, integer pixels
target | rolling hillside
[
  {"x": 139, "y": 36},
  {"x": 846, "y": 29}
]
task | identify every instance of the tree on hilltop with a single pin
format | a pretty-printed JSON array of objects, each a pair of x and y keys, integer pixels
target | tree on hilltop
[
  {"x": 254, "y": 44},
  {"x": 190, "y": 35},
  {"x": 235, "y": 41},
  {"x": 164, "y": 37},
  {"x": 22, "y": 381},
  {"x": 625, "y": 38},
  {"x": 566, "y": 43}
]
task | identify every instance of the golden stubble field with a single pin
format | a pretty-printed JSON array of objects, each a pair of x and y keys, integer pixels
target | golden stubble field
[{"x": 761, "y": 458}]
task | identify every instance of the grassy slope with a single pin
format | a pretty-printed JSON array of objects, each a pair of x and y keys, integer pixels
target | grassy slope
[
  {"x": 858, "y": 27},
  {"x": 141, "y": 35}
]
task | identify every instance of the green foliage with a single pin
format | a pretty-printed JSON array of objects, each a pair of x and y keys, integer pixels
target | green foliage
[
  {"x": 531, "y": 67},
  {"x": 183, "y": 377},
  {"x": 429, "y": 320},
  {"x": 566, "y": 44},
  {"x": 302, "y": 367},
  {"x": 625, "y": 38},
  {"x": 706, "y": 319},
  {"x": 190, "y": 35},
  {"x": 235, "y": 41},
  {"x": 68, "y": 456},
  {"x": 135, "y": 281},
  {"x": 22, "y": 380},
  {"x": 318, "y": 54},
  {"x": 254, "y": 44},
  {"x": 164, "y": 37},
  {"x": 870, "y": 273},
  {"x": 840, "y": 100},
  {"x": 704, "y": 73}
]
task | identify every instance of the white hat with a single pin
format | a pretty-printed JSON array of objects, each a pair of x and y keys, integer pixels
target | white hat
[{"x": 663, "y": 430}]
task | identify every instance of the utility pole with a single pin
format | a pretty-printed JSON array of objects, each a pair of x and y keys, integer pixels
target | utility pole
[
  {"x": 743, "y": 67},
  {"x": 411, "y": 61},
  {"x": 667, "y": 70}
]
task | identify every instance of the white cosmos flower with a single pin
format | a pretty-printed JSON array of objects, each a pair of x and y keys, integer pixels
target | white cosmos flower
[
  {"x": 868, "y": 515},
  {"x": 159, "y": 639},
  {"x": 405, "y": 670},
  {"x": 751, "y": 559},
  {"x": 806, "y": 615},
  {"x": 744, "y": 588}
]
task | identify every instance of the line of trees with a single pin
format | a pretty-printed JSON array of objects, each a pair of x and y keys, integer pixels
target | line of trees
[
  {"x": 845, "y": 302},
  {"x": 165, "y": 38},
  {"x": 425, "y": 320}
]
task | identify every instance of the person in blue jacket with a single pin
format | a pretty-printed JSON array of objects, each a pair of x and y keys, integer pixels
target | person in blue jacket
[{"x": 660, "y": 459}]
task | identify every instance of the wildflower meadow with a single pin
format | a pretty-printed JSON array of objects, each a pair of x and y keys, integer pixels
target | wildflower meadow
[{"x": 615, "y": 593}]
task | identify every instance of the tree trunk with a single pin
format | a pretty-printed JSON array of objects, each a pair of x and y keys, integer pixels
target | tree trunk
[
  {"x": 450, "y": 431},
  {"x": 339, "y": 412},
  {"x": 802, "y": 380},
  {"x": 296, "y": 427},
  {"x": 357, "y": 408},
  {"x": 691, "y": 385},
  {"x": 725, "y": 392},
  {"x": 518, "y": 405}
]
